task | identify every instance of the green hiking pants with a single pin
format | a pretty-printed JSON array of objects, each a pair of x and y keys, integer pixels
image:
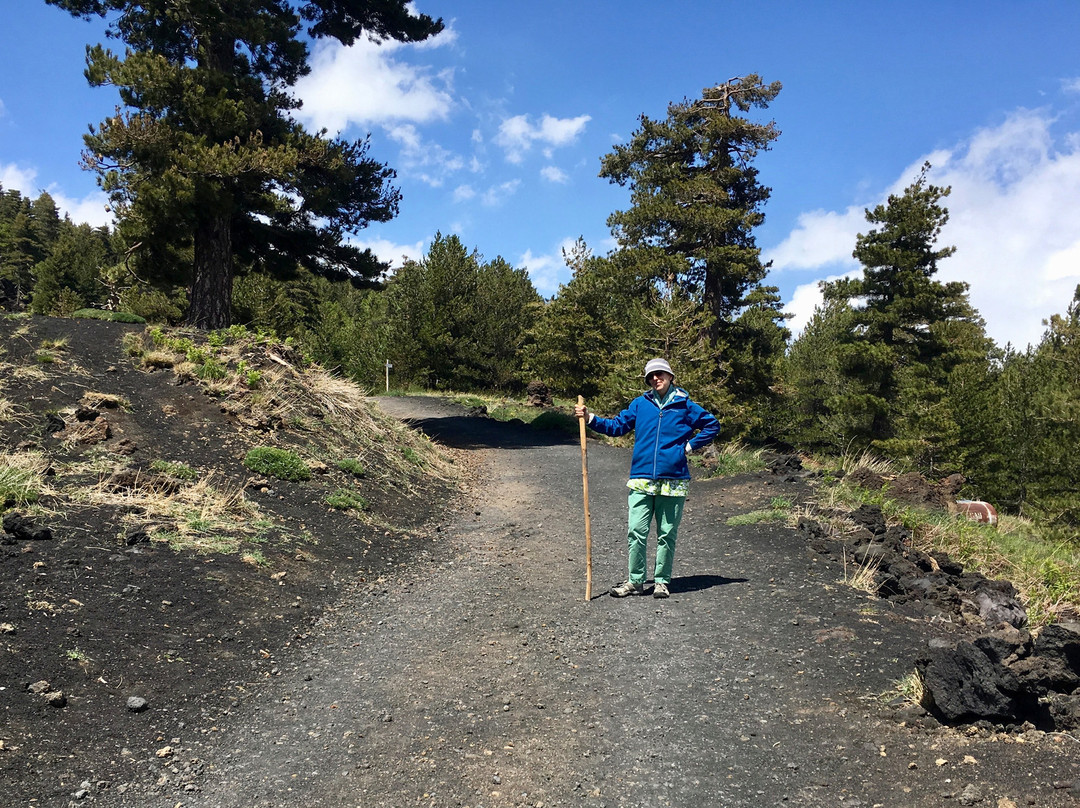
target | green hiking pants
[{"x": 668, "y": 513}]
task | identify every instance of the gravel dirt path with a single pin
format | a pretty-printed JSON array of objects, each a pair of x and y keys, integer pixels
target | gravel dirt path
[{"x": 476, "y": 675}]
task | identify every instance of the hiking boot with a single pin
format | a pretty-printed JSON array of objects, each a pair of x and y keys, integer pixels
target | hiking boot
[
  {"x": 660, "y": 591},
  {"x": 626, "y": 588}
]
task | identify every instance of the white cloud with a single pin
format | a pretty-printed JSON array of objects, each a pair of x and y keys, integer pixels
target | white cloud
[
  {"x": 1071, "y": 85},
  {"x": 497, "y": 194},
  {"x": 806, "y": 298},
  {"x": 23, "y": 180},
  {"x": 91, "y": 209},
  {"x": 394, "y": 254},
  {"x": 463, "y": 193},
  {"x": 821, "y": 238},
  {"x": 1063, "y": 265},
  {"x": 1013, "y": 210},
  {"x": 3, "y": 109},
  {"x": 1014, "y": 207},
  {"x": 549, "y": 271},
  {"x": 517, "y": 134},
  {"x": 365, "y": 84},
  {"x": 427, "y": 161},
  {"x": 553, "y": 174}
]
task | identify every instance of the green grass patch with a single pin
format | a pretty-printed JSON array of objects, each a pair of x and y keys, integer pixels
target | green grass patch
[
  {"x": 345, "y": 500},
  {"x": 352, "y": 466},
  {"x": 759, "y": 517},
  {"x": 254, "y": 557},
  {"x": 201, "y": 543},
  {"x": 412, "y": 456},
  {"x": 18, "y": 486},
  {"x": 76, "y": 654},
  {"x": 174, "y": 469},
  {"x": 779, "y": 510},
  {"x": 279, "y": 463},
  {"x": 735, "y": 458},
  {"x": 112, "y": 316}
]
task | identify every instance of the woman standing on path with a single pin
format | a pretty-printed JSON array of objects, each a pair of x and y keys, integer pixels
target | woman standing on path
[{"x": 665, "y": 421}]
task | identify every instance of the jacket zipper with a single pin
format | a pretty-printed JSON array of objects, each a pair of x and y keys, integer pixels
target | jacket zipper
[{"x": 656, "y": 443}]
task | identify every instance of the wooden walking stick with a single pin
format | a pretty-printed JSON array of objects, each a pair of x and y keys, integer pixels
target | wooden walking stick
[{"x": 585, "y": 489}]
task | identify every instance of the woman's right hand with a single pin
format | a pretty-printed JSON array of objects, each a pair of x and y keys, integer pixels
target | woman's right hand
[{"x": 581, "y": 411}]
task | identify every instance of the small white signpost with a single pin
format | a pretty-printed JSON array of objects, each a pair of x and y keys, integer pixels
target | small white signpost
[{"x": 388, "y": 366}]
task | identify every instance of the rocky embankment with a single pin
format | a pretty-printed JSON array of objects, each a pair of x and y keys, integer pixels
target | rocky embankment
[{"x": 998, "y": 674}]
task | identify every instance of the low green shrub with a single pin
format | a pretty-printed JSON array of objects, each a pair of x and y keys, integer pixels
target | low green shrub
[
  {"x": 174, "y": 469},
  {"x": 735, "y": 458},
  {"x": 279, "y": 463},
  {"x": 112, "y": 316},
  {"x": 352, "y": 466},
  {"x": 18, "y": 486},
  {"x": 211, "y": 369},
  {"x": 345, "y": 500}
]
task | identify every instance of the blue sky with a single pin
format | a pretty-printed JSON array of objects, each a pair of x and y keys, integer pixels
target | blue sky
[{"x": 496, "y": 127}]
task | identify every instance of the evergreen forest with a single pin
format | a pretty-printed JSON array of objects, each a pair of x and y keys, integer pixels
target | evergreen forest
[{"x": 228, "y": 212}]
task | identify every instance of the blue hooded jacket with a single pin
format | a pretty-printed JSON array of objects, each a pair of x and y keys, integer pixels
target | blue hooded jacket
[{"x": 661, "y": 435}]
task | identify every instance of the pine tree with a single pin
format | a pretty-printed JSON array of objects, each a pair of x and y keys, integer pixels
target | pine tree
[
  {"x": 695, "y": 195},
  {"x": 695, "y": 203},
  {"x": 579, "y": 333},
  {"x": 897, "y": 354},
  {"x": 69, "y": 278},
  {"x": 456, "y": 322},
  {"x": 207, "y": 157},
  {"x": 1056, "y": 422},
  {"x": 814, "y": 382}
]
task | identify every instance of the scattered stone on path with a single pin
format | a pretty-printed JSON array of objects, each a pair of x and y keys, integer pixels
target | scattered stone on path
[
  {"x": 23, "y": 528},
  {"x": 136, "y": 704},
  {"x": 56, "y": 698}
]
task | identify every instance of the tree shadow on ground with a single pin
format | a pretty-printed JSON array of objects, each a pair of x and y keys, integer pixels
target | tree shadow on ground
[{"x": 469, "y": 432}]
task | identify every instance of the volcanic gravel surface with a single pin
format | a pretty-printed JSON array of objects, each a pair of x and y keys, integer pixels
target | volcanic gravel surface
[
  {"x": 467, "y": 669},
  {"x": 479, "y": 676}
]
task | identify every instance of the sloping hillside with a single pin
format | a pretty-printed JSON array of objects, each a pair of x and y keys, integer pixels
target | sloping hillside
[{"x": 144, "y": 560}]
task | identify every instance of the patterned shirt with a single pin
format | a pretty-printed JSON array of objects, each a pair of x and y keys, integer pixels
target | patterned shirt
[{"x": 665, "y": 488}]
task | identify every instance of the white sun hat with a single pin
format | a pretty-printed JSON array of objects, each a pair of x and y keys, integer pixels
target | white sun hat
[{"x": 654, "y": 365}]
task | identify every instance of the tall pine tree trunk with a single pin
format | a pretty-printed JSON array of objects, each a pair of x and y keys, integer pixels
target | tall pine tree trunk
[{"x": 210, "y": 304}]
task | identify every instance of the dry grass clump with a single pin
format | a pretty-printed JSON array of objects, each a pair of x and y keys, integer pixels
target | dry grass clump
[
  {"x": 862, "y": 577},
  {"x": 12, "y": 412},
  {"x": 106, "y": 401},
  {"x": 866, "y": 461},
  {"x": 158, "y": 360},
  {"x": 206, "y": 516},
  {"x": 22, "y": 478},
  {"x": 31, "y": 373}
]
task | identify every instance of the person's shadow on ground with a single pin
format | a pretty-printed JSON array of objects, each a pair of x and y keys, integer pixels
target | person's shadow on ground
[
  {"x": 697, "y": 583},
  {"x": 688, "y": 583}
]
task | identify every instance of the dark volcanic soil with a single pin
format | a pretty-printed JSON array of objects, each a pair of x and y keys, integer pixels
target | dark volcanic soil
[
  {"x": 102, "y": 615},
  {"x": 464, "y": 668}
]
